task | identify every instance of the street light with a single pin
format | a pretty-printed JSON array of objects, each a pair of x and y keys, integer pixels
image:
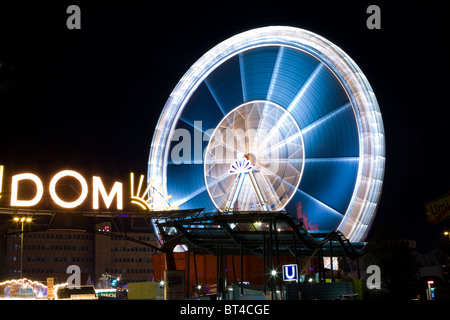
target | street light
[{"x": 21, "y": 220}]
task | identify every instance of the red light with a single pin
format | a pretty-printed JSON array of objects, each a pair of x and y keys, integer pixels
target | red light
[{"x": 430, "y": 282}]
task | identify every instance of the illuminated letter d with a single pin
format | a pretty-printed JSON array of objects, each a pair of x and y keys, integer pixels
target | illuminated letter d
[{"x": 15, "y": 202}]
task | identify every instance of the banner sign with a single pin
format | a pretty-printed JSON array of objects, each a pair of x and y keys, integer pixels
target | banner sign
[
  {"x": 148, "y": 197},
  {"x": 438, "y": 209}
]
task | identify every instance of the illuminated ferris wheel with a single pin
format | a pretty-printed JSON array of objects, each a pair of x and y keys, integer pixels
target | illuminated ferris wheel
[{"x": 272, "y": 119}]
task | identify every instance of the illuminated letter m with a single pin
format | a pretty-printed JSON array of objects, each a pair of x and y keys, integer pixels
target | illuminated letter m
[{"x": 107, "y": 198}]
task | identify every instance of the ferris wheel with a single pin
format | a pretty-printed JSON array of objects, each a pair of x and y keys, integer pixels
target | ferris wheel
[{"x": 275, "y": 118}]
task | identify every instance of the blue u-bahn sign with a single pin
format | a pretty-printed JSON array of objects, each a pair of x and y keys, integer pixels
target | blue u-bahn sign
[{"x": 290, "y": 272}]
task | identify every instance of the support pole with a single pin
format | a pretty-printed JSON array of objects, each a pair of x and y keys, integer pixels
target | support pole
[
  {"x": 331, "y": 261},
  {"x": 188, "y": 262},
  {"x": 241, "y": 252},
  {"x": 270, "y": 259},
  {"x": 319, "y": 259},
  {"x": 359, "y": 271},
  {"x": 294, "y": 246},
  {"x": 294, "y": 243},
  {"x": 264, "y": 265},
  {"x": 196, "y": 277},
  {"x": 170, "y": 261},
  {"x": 278, "y": 280},
  {"x": 224, "y": 271},
  {"x": 218, "y": 273},
  {"x": 234, "y": 268}
]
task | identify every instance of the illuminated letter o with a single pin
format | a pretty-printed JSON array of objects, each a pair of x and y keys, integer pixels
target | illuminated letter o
[{"x": 76, "y": 175}]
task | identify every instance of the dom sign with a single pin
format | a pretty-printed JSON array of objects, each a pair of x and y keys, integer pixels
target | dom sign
[{"x": 98, "y": 190}]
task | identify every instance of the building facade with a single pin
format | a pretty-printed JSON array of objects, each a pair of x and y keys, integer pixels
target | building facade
[{"x": 100, "y": 256}]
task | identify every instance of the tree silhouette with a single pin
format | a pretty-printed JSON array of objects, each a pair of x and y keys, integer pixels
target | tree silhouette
[{"x": 399, "y": 269}]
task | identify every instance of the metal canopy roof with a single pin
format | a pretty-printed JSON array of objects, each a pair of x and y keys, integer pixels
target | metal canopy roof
[{"x": 248, "y": 232}]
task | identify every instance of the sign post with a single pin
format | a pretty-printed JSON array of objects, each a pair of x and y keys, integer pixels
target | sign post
[
  {"x": 50, "y": 288},
  {"x": 290, "y": 272},
  {"x": 174, "y": 285},
  {"x": 290, "y": 275}
]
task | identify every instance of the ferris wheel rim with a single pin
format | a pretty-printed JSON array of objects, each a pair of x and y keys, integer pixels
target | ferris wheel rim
[{"x": 370, "y": 128}]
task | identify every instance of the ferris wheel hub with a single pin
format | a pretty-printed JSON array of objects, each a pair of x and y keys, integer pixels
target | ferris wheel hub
[{"x": 261, "y": 139}]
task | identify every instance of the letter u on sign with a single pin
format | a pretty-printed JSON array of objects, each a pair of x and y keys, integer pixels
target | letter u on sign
[{"x": 290, "y": 272}]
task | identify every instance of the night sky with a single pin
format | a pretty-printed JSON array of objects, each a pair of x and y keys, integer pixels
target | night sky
[{"x": 89, "y": 99}]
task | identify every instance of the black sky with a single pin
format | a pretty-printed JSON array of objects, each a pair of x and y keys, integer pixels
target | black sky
[{"x": 89, "y": 99}]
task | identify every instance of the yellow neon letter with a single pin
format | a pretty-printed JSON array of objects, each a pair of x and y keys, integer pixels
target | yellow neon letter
[
  {"x": 97, "y": 186},
  {"x": 76, "y": 175},
  {"x": 15, "y": 187}
]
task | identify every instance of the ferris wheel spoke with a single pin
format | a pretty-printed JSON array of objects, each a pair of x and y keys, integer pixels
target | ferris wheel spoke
[
  {"x": 204, "y": 131},
  {"x": 308, "y": 85},
  {"x": 337, "y": 176},
  {"x": 216, "y": 99},
  {"x": 218, "y": 161},
  {"x": 286, "y": 174},
  {"x": 217, "y": 184},
  {"x": 287, "y": 141},
  {"x": 290, "y": 73},
  {"x": 219, "y": 144},
  {"x": 321, "y": 94},
  {"x": 337, "y": 130},
  {"x": 328, "y": 117},
  {"x": 180, "y": 202},
  {"x": 215, "y": 167},
  {"x": 224, "y": 84},
  {"x": 243, "y": 81},
  {"x": 265, "y": 119},
  {"x": 275, "y": 73},
  {"x": 256, "y": 69},
  {"x": 195, "y": 117},
  {"x": 319, "y": 202},
  {"x": 200, "y": 190},
  {"x": 281, "y": 160},
  {"x": 283, "y": 122},
  {"x": 332, "y": 159}
]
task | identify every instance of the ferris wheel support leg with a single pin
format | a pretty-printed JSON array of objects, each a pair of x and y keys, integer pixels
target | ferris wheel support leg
[
  {"x": 237, "y": 185},
  {"x": 168, "y": 248},
  {"x": 261, "y": 199},
  {"x": 170, "y": 261}
]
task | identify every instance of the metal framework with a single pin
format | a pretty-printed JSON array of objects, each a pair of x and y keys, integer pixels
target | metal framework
[
  {"x": 269, "y": 235},
  {"x": 246, "y": 232},
  {"x": 208, "y": 232}
]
